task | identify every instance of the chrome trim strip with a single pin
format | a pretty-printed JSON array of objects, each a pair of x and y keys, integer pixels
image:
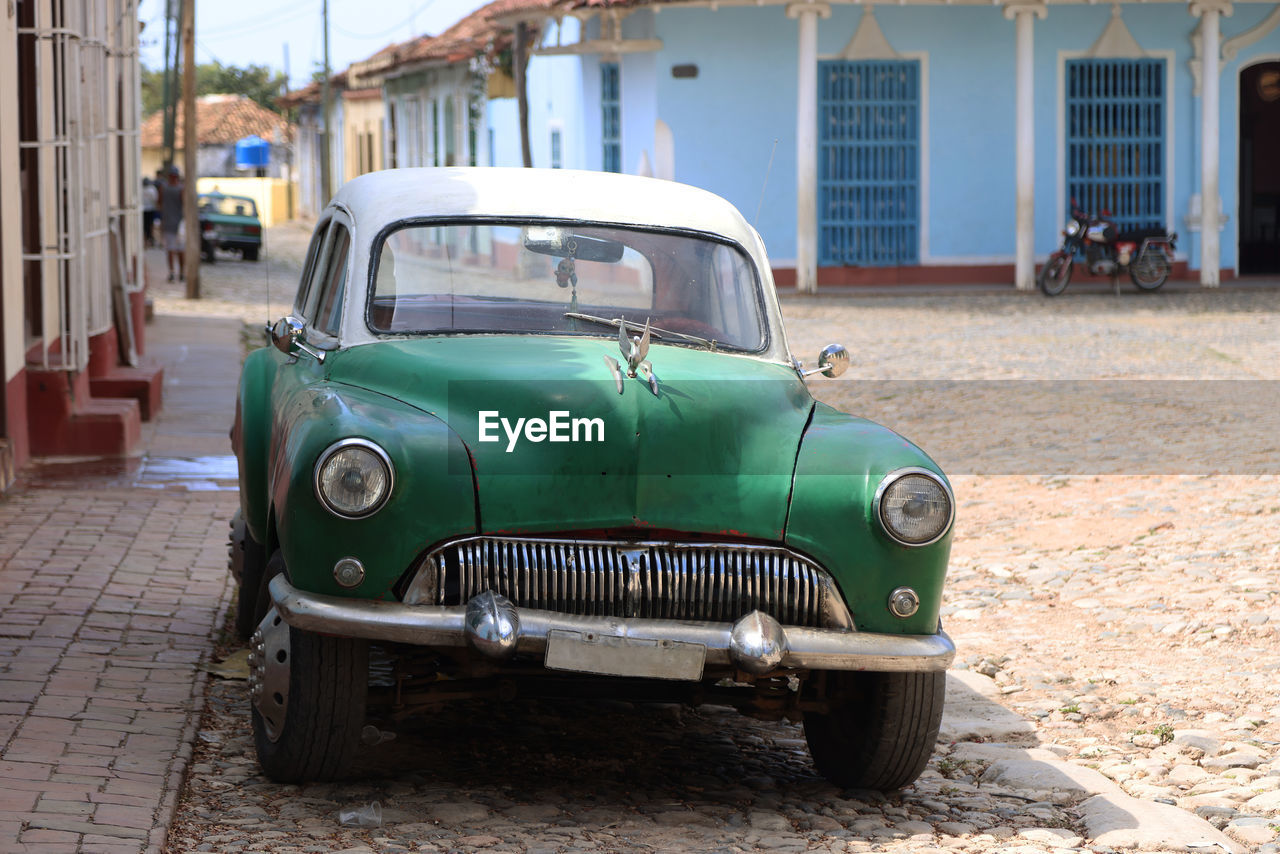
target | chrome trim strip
[
  {"x": 896, "y": 474},
  {"x": 813, "y": 649},
  {"x": 630, "y": 578}
]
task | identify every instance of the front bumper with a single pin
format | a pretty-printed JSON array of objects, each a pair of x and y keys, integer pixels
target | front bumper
[{"x": 491, "y": 625}]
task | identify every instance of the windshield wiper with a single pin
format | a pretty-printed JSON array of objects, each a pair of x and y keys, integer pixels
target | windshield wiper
[{"x": 632, "y": 326}]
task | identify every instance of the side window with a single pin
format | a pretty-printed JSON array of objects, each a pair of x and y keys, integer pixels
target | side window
[
  {"x": 333, "y": 283},
  {"x": 308, "y": 269}
]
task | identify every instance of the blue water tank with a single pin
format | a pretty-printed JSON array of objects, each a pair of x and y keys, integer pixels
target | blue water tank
[{"x": 253, "y": 152}]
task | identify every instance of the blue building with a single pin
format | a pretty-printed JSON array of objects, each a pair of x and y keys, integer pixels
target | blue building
[
  {"x": 922, "y": 141},
  {"x": 918, "y": 141}
]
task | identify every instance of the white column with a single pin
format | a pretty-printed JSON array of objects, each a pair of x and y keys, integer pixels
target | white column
[
  {"x": 806, "y": 15},
  {"x": 1210, "y": 86},
  {"x": 1023, "y": 15}
]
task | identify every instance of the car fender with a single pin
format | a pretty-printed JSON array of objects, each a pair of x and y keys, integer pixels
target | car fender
[
  {"x": 432, "y": 494},
  {"x": 841, "y": 462},
  {"x": 251, "y": 438}
]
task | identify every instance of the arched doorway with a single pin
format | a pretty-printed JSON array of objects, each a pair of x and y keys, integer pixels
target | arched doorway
[{"x": 1260, "y": 169}]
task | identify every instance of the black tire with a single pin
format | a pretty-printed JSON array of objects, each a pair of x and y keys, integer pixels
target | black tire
[
  {"x": 1055, "y": 275},
  {"x": 250, "y": 254},
  {"x": 1150, "y": 270},
  {"x": 328, "y": 686},
  {"x": 248, "y": 559},
  {"x": 262, "y": 595},
  {"x": 880, "y": 730}
]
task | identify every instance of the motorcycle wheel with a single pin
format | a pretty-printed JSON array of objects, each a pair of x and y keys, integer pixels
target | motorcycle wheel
[
  {"x": 1150, "y": 270},
  {"x": 1055, "y": 275}
]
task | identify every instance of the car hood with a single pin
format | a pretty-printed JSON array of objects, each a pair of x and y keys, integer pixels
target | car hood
[{"x": 712, "y": 453}]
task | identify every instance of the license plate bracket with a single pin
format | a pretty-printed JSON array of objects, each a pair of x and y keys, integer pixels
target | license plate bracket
[{"x": 612, "y": 655}]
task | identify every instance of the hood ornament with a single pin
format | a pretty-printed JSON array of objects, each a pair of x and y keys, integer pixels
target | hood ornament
[{"x": 634, "y": 349}]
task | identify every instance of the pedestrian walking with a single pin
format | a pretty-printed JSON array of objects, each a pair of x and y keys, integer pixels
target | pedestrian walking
[
  {"x": 171, "y": 225},
  {"x": 150, "y": 201}
]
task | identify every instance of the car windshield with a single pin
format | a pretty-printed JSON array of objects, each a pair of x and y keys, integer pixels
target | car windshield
[
  {"x": 228, "y": 206},
  {"x": 531, "y": 277}
]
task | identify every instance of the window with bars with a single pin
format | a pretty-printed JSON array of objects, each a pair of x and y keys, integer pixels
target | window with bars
[
  {"x": 868, "y": 163},
  {"x": 611, "y": 117},
  {"x": 1115, "y": 127},
  {"x": 555, "y": 148}
]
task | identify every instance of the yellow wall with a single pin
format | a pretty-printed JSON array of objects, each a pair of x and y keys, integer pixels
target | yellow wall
[
  {"x": 362, "y": 117},
  {"x": 272, "y": 195},
  {"x": 153, "y": 160}
]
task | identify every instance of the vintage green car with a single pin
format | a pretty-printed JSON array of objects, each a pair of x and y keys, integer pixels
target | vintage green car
[
  {"x": 534, "y": 433},
  {"x": 235, "y": 223}
]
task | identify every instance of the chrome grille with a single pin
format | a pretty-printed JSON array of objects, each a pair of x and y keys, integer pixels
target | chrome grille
[{"x": 662, "y": 580}]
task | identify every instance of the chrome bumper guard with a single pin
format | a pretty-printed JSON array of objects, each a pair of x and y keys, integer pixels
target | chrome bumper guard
[{"x": 490, "y": 624}]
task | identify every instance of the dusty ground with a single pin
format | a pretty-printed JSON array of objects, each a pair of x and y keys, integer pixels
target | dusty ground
[{"x": 1124, "y": 610}]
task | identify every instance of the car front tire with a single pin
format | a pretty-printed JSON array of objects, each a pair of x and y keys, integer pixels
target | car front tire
[
  {"x": 248, "y": 559},
  {"x": 880, "y": 729},
  {"x": 321, "y": 683}
]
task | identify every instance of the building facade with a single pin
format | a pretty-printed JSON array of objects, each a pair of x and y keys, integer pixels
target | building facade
[
  {"x": 880, "y": 144},
  {"x": 221, "y": 122},
  {"x": 70, "y": 232},
  {"x": 918, "y": 142}
]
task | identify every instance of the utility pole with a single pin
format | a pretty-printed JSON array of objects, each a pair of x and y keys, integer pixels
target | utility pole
[
  {"x": 288, "y": 143},
  {"x": 326, "y": 177},
  {"x": 519, "y": 66},
  {"x": 172, "y": 44},
  {"x": 190, "y": 212}
]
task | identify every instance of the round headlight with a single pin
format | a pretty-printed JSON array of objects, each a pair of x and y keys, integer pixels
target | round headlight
[
  {"x": 1073, "y": 228},
  {"x": 914, "y": 506},
  {"x": 353, "y": 478}
]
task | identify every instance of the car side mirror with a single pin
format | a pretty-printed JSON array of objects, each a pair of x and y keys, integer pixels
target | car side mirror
[
  {"x": 832, "y": 362},
  {"x": 286, "y": 335}
]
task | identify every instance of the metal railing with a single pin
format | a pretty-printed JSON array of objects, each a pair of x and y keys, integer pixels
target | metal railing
[{"x": 84, "y": 89}]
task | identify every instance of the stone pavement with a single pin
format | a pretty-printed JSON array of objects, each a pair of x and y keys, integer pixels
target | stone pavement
[{"x": 112, "y": 579}]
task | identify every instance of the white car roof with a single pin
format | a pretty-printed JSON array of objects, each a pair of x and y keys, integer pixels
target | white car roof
[
  {"x": 383, "y": 197},
  {"x": 375, "y": 200}
]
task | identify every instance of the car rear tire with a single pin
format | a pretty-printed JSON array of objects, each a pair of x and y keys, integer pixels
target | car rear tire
[
  {"x": 250, "y": 254},
  {"x": 248, "y": 561},
  {"x": 325, "y": 692},
  {"x": 1055, "y": 275},
  {"x": 880, "y": 730}
]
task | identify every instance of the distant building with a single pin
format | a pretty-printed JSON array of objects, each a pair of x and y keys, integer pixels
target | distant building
[
  {"x": 912, "y": 141},
  {"x": 311, "y": 135},
  {"x": 221, "y": 121},
  {"x": 882, "y": 143}
]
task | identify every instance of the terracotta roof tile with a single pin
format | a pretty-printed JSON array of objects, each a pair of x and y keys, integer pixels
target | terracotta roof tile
[
  {"x": 310, "y": 94},
  {"x": 478, "y": 33},
  {"x": 220, "y": 120}
]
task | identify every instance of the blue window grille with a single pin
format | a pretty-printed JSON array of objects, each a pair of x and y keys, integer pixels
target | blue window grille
[
  {"x": 868, "y": 163},
  {"x": 1115, "y": 125},
  {"x": 611, "y": 117}
]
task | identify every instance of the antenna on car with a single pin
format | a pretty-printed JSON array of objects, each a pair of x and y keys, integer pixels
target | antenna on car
[
  {"x": 767, "y": 170},
  {"x": 267, "y": 264}
]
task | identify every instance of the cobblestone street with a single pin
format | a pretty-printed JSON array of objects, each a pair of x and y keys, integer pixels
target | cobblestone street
[{"x": 1117, "y": 619}]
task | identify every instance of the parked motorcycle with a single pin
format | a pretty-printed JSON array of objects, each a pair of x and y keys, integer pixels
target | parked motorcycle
[{"x": 1145, "y": 254}]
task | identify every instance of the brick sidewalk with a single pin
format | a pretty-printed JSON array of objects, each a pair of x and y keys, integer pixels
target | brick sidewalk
[{"x": 111, "y": 594}]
